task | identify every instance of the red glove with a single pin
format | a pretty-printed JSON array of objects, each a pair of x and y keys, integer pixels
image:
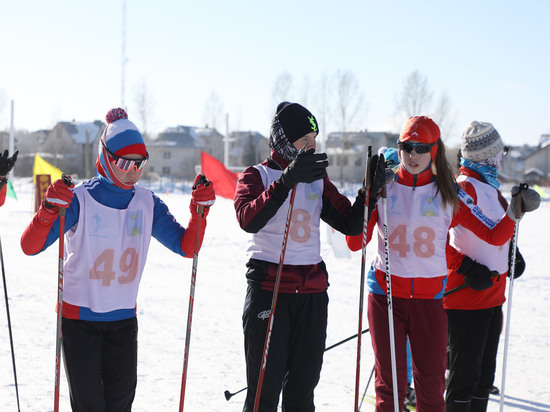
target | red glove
[
  {"x": 203, "y": 194},
  {"x": 59, "y": 194}
]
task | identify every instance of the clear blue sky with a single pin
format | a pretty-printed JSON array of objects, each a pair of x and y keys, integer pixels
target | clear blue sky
[{"x": 61, "y": 60}]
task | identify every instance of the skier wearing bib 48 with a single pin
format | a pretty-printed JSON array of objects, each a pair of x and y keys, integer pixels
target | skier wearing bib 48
[
  {"x": 474, "y": 313},
  {"x": 262, "y": 202},
  {"x": 423, "y": 203},
  {"x": 108, "y": 227}
]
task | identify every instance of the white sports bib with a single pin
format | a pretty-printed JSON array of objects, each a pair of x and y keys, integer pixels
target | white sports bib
[
  {"x": 418, "y": 225},
  {"x": 106, "y": 252},
  {"x": 303, "y": 242}
]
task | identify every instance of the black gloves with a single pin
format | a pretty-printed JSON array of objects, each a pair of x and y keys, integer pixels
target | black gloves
[
  {"x": 519, "y": 268},
  {"x": 380, "y": 176},
  {"x": 478, "y": 276},
  {"x": 7, "y": 163},
  {"x": 306, "y": 168}
]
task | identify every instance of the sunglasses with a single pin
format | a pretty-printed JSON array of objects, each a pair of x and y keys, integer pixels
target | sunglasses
[
  {"x": 125, "y": 165},
  {"x": 419, "y": 148},
  {"x": 505, "y": 150}
]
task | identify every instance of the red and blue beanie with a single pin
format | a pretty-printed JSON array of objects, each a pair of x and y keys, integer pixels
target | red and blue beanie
[{"x": 121, "y": 137}]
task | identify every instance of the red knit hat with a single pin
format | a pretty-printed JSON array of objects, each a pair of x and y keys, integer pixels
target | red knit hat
[{"x": 422, "y": 129}]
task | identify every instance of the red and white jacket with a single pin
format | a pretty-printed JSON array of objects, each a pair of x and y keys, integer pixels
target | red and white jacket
[
  {"x": 492, "y": 203},
  {"x": 418, "y": 226}
]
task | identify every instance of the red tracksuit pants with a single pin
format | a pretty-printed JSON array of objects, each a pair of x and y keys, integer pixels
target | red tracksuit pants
[{"x": 425, "y": 322}]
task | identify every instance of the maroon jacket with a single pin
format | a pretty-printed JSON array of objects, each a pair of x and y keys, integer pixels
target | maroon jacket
[{"x": 255, "y": 206}]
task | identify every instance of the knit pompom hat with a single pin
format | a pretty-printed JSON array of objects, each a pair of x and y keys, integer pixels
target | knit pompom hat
[
  {"x": 422, "y": 129},
  {"x": 291, "y": 122},
  {"x": 480, "y": 141},
  {"x": 121, "y": 137}
]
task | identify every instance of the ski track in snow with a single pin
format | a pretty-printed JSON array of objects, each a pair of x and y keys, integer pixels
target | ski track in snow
[{"x": 216, "y": 360}]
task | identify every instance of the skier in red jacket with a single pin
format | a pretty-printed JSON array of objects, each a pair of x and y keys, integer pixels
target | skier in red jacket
[
  {"x": 423, "y": 203},
  {"x": 474, "y": 313}
]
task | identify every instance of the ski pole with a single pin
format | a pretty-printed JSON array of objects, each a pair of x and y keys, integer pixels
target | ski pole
[
  {"x": 390, "y": 303},
  {"x": 274, "y": 302},
  {"x": 229, "y": 395},
  {"x": 346, "y": 340},
  {"x": 362, "y": 281},
  {"x": 62, "y": 210},
  {"x": 522, "y": 187},
  {"x": 9, "y": 325},
  {"x": 366, "y": 387},
  {"x": 200, "y": 211}
]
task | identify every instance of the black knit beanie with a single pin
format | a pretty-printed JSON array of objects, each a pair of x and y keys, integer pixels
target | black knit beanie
[{"x": 291, "y": 122}]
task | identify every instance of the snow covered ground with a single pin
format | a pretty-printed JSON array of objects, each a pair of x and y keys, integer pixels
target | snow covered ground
[{"x": 216, "y": 354}]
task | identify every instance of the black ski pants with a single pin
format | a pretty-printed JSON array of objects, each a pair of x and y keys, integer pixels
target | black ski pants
[
  {"x": 101, "y": 364},
  {"x": 473, "y": 344},
  {"x": 295, "y": 352}
]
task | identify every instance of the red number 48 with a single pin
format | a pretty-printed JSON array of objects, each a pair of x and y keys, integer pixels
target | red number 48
[{"x": 423, "y": 245}]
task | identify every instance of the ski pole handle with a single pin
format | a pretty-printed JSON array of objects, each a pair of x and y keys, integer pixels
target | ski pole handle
[
  {"x": 522, "y": 187},
  {"x": 367, "y": 170},
  {"x": 68, "y": 182},
  {"x": 202, "y": 181}
]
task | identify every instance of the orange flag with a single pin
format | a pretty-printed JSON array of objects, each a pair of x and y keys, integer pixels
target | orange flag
[{"x": 225, "y": 181}]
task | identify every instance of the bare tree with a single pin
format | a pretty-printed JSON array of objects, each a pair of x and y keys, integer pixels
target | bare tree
[
  {"x": 213, "y": 111},
  {"x": 145, "y": 109},
  {"x": 444, "y": 115},
  {"x": 322, "y": 108},
  {"x": 305, "y": 89},
  {"x": 349, "y": 102},
  {"x": 415, "y": 95},
  {"x": 281, "y": 89},
  {"x": 416, "y": 99}
]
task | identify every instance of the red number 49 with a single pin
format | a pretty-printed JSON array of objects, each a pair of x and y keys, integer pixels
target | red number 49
[{"x": 103, "y": 266}]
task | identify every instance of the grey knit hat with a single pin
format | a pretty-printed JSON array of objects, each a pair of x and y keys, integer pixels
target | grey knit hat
[{"x": 480, "y": 141}]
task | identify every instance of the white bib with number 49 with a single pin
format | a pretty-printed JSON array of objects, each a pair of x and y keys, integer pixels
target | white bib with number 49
[{"x": 106, "y": 252}]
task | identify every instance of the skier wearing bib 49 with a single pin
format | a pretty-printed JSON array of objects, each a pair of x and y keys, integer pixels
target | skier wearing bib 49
[
  {"x": 474, "y": 313},
  {"x": 108, "y": 227},
  {"x": 262, "y": 202},
  {"x": 423, "y": 203}
]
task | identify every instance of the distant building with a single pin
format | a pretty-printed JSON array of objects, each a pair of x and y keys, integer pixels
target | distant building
[
  {"x": 537, "y": 165},
  {"x": 27, "y": 144},
  {"x": 69, "y": 146},
  {"x": 247, "y": 149},
  {"x": 347, "y": 153},
  {"x": 177, "y": 150}
]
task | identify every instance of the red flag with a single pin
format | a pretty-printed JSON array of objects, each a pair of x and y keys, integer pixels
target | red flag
[{"x": 225, "y": 181}]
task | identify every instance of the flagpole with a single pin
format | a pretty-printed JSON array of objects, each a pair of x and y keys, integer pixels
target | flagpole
[
  {"x": 226, "y": 142},
  {"x": 11, "y": 144}
]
